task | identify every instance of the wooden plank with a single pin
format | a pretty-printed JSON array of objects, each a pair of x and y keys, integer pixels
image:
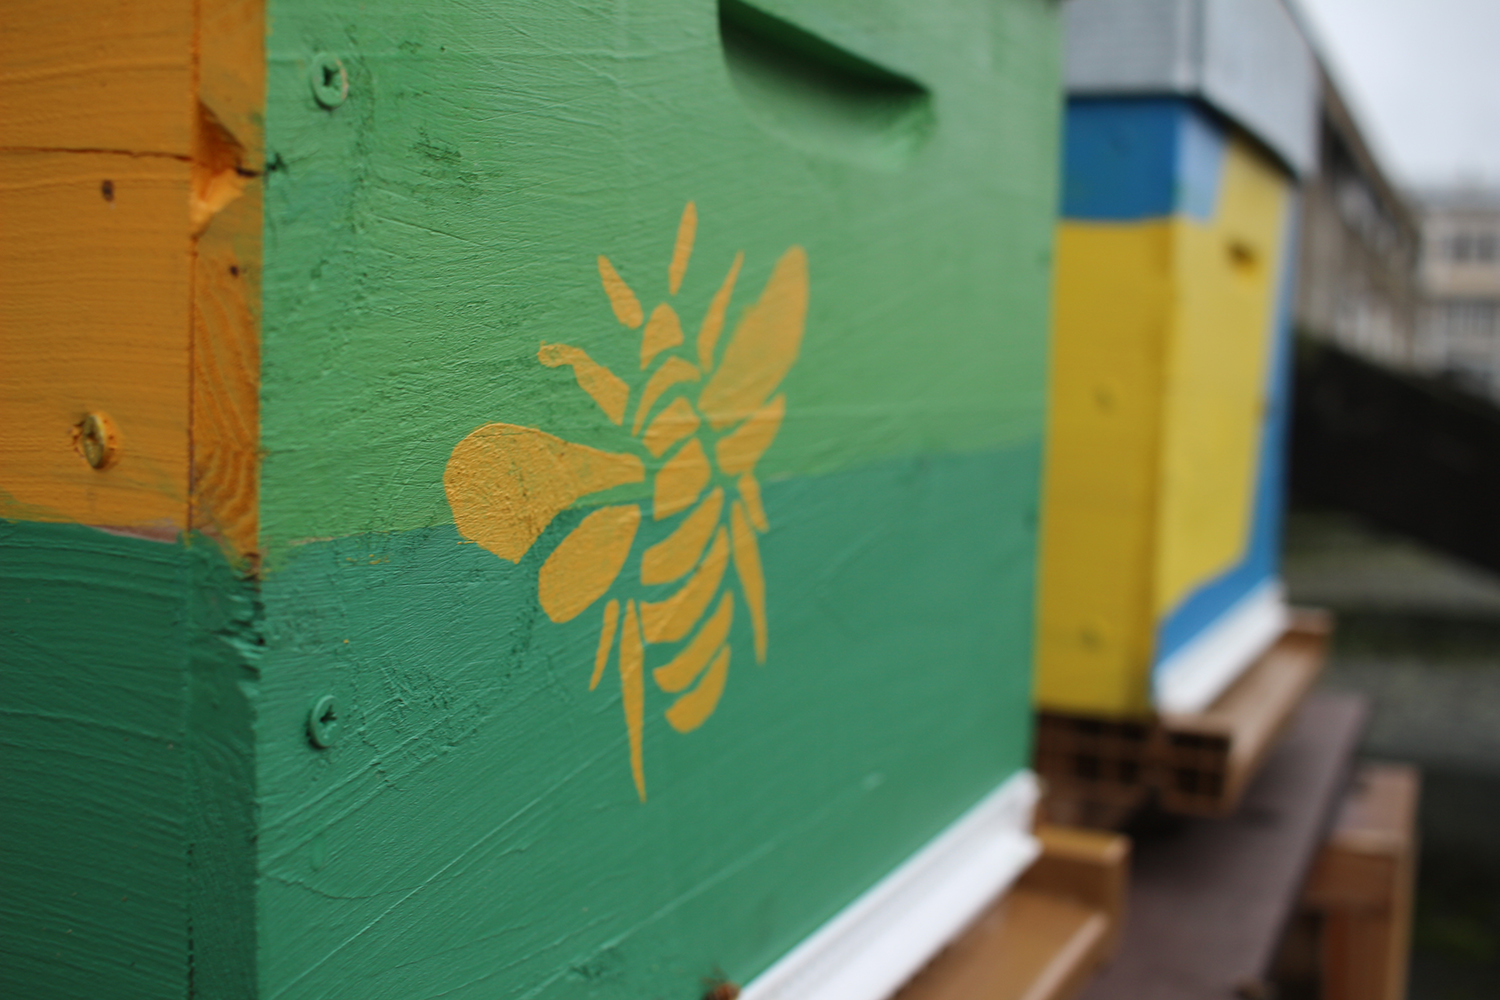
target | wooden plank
[
  {"x": 101, "y": 75},
  {"x": 1362, "y": 885},
  {"x": 130, "y": 226},
  {"x": 1044, "y": 938},
  {"x": 228, "y": 160},
  {"x": 1239, "y": 729},
  {"x": 1210, "y": 897},
  {"x": 1162, "y": 386},
  {"x": 129, "y": 266},
  {"x": 95, "y": 277}
]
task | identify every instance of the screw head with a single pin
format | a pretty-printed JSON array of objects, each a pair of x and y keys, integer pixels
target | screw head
[
  {"x": 323, "y": 722},
  {"x": 330, "y": 81},
  {"x": 95, "y": 438}
]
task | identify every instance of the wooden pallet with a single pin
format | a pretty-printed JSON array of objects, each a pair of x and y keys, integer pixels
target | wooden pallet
[
  {"x": 1100, "y": 772},
  {"x": 1210, "y": 899},
  {"x": 1044, "y": 939},
  {"x": 1362, "y": 886}
]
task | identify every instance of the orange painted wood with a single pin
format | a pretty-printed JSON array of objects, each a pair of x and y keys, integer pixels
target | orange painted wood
[
  {"x": 97, "y": 75},
  {"x": 1043, "y": 939},
  {"x": 94, "y": 303},
  {"x": 1362, "y": 884},
  {"x": 130, "y": 220}
]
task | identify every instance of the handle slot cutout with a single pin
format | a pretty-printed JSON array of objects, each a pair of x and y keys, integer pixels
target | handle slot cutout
[{"x": 819, "y": 96}]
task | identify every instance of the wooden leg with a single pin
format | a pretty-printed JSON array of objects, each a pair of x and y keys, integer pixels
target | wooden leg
[{"x": 1362, "y": 885}]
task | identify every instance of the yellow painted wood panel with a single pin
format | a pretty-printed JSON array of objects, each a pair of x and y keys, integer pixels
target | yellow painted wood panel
[
  {"x": 1111, "y": 309},
  {"x": 97, "y": 75},
  {"x": 95, "y": 286},
  {"x": 1216, "y": 385}
]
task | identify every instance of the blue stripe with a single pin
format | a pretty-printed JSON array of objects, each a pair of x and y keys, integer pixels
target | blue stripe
[{"x": 1140, "y": 158}]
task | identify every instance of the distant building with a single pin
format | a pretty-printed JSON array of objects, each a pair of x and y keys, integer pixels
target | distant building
[
  {"x": 1459, "y": 336},
  {"x": 1357, "y": 282}
]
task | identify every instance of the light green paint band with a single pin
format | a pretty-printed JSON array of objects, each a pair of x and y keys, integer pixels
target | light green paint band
[{"x": 424, "y": 238}]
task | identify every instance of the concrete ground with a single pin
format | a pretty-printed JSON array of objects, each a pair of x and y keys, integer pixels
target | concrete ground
[{"x": 1419, "y": 633}]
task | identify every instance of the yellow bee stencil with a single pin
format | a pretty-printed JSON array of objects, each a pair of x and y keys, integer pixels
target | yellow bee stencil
[{"x": 506, "y": 483}]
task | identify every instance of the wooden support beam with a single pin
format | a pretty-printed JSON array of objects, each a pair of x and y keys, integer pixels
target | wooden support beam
[
  {"x": 1210, "y": 898},
  {"x": 1362, "y": 886}
]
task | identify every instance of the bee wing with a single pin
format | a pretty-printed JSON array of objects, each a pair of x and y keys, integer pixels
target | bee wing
[
  {"x": 763, "y": 347},
  {"x": 505, "y": 483}
]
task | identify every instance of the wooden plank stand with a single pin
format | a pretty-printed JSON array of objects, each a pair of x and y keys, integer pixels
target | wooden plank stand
[
  {"x": 1101, "y": 772},
  {"x": 1361, "y": 887},
  {"x": 1211, "y": 898}
]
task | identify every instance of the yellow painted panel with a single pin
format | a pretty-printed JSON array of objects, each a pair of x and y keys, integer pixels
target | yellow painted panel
[
  {"x": 1111, "y": 308},
  {"x": 1162, "y": 339},
  {"x": 1215, "y": 390},
  {"x": 95, "y": 289},
  {"x": 97, "y": 75}
]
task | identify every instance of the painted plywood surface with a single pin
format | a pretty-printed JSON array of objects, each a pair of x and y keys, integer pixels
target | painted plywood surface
[
  {"x": 489, "y": 261},
  {"x": 630, "y": 418},
  {"x": 651, "y": 455},
  {"x": 514, "y": 150},
  {"x": 1168, "y": 391}
]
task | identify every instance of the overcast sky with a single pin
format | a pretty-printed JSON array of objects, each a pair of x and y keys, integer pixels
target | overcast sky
[{"x": 1423, "y": 77}]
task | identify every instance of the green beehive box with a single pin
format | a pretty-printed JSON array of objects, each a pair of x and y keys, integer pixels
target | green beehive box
[{"x": 533, "y": 500}]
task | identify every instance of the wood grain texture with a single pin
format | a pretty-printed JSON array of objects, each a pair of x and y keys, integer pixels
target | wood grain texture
[
  {"x": 438, "y": 227},
  {"x": 129, "y": 253},
  {"x": 425, "y": 238},
  {"x": 130, "y": 263},
  {"x": 477, "y": 828},
  {"x": 94, "y": 311},
  {"x": 103, "y": 75},
  {"x": 225, "y": 348},
  {"x": 1362, "y": 885},
  {"x": 494, "y": 778},
  {"x": 227, "y": 210}
]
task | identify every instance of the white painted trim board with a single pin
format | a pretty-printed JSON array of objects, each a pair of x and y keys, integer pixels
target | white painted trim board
[
  {"x": 876, "y": 943},
  {"x": 1190, "y": 679}
]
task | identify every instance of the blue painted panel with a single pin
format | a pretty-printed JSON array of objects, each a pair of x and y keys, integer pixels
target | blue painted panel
[{"x": 1140, "y": 158}]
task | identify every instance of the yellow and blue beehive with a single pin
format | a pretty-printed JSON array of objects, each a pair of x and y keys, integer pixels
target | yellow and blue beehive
[{"x": 1185, "y": 131}]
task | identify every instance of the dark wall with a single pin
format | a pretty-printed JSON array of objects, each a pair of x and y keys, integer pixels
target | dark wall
[{"x": 1411, "y": 453}]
